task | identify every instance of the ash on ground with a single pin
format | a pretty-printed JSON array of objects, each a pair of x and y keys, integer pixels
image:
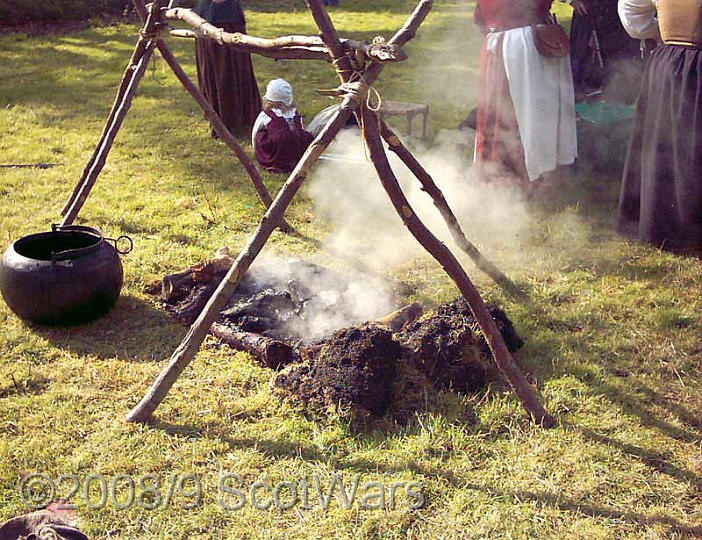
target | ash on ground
[
  {"x": 290, "y": 300},
  {"x": 311, "y": 322},
  {"x": 369, "y": 371}
]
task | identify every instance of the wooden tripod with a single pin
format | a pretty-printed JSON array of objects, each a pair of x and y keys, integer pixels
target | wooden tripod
[
  {"x": 150, "y": 38},
  {"x": 358, "y": 67}
]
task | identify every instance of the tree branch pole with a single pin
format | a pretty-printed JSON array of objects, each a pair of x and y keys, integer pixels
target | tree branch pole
[
  {"x": 216, "y": 121},
  {"x": 130, "y": 81},
  {"x": 331, "y": 40},
  {"x": 452, "y": 267},
  {"x": 119, "y": 98},
  {"x": 191, "y": 343},
  {"x": 287, "y": 47},
  {"x": 429, "y": 186},
  {"x": 437, "y": 249},
  {"x": 188, "y": 348}
]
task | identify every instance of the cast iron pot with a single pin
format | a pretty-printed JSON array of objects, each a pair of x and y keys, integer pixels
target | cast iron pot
[{"x": 69, "y": 275}]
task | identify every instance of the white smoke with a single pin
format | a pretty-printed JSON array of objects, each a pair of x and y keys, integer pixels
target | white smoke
[
  {"x": 324, "y": 299},
  {"x": 496, "y": 217}
]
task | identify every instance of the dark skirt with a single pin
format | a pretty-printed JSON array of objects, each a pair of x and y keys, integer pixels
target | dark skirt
[
  {"x": 227, "y": 80},
  {"x": 661, "y": 195}
]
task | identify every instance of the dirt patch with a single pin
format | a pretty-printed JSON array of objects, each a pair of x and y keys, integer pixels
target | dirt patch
[
  {"x": 289, "y": 314},
  {"x": 369, "y": 371},
  {"x": 355, "y": 369}
]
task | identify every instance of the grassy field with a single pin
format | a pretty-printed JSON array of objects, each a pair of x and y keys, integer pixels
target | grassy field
[{"x": 612, "y": 328}]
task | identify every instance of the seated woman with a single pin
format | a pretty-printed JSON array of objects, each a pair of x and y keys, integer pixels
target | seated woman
[{"x": 279, "y": 138}]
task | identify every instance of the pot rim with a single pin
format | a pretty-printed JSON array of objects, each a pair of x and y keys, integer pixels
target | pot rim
[{"x": 66, "y": 254}]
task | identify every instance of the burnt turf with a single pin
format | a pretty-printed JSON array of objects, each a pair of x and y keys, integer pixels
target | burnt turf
[
  {"x": 276, "y": 302},
  {"x": 369, "y": 370},
  {"x": 356, "y": 368},
  {"x": 366, "y": 370}
]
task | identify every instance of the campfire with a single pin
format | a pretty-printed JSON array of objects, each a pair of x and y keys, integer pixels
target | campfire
[
  {"x": 358, "y": 65},
  {"x": 332, "y": 339}
]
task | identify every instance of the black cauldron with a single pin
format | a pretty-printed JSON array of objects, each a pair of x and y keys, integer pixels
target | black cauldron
[{"x": 69, "y": 275}]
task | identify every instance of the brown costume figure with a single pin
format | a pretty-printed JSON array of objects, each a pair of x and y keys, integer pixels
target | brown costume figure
[
  {"x": 661, "y": 196},
  {"x": 278, "y": 137},
  {"x": 226, "y": 77}
]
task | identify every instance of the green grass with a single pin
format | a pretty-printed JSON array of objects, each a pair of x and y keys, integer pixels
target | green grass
[{"x": 613, "y": 328}]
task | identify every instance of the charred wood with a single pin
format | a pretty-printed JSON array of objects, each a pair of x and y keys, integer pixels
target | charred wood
[{"x": 269, "y": 352}]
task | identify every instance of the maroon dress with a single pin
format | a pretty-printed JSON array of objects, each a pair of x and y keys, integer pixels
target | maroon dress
[
  {"x": 498, "y": 152},
  {"x": 225, "y": 75},
  {"x": 279, "y": 146}
]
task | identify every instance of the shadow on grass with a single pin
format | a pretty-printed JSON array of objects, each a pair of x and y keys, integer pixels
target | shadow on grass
[
  {"x": 278, "y": 448},
  {"x": 286, "y": 449},
  {"x": 657, "y": 461},
  {"x": 578, "y": 508},
  {"x": 121, "y": 334},
  {"x": 634, "y": 406}
]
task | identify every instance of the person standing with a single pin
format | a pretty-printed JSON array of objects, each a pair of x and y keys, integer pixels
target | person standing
[
  {"x": 602, "y": 53},
  {"x": 661, "y": 195},
  {"x": 226, "y": 76},
  {"x": 526, "y": 104}
]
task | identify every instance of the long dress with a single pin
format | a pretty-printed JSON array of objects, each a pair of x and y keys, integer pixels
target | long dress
[
  {"x": 661, "y": 195},
  {"x": 226, "y": 77},
  {"x": 526, "y": 105}
]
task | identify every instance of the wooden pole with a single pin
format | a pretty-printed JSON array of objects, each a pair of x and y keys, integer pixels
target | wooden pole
[
  {"x": 429, "y": 186},
  {"x": 284, "y": 48},
  {"x": 216, "y": 121},
  {"x": 370, "y": 123},
  {"x": 190, "y": 344},
  {"x": 188, "y": 348},
  {"x": 452, "y": 267},
  {"x": 130, "y": 82}
]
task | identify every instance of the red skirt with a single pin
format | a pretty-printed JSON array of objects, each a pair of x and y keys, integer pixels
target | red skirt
[{"x": 499, "y": 153}]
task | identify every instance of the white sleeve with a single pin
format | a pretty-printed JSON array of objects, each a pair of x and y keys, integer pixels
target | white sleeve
[
  {"x": 262, "y": 120},
  {"x": 639, "y": 18}
]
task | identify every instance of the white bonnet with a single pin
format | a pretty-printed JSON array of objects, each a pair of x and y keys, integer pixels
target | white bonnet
[{"x": 279, "y": 90}]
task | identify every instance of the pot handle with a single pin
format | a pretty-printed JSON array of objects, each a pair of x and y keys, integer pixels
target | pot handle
[
  {"x": 76, "y": 228},
  {"x": 116, "y": 241},
  {"x": 77, "y": 252}
]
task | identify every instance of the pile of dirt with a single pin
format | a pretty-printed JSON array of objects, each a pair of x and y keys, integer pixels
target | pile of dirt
[
  {"x": 368, "y": 370},
  {"x": 355, "y": 368},
  {"x": 449, "y": 349},
  {"x": 290, "y": 315}
]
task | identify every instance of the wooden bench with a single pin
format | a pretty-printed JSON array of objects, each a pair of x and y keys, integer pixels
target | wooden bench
[{"x": 409, "y": 111}]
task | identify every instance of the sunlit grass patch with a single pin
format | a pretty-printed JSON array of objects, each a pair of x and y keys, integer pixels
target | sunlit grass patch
[{"x": 612, "y": 328}]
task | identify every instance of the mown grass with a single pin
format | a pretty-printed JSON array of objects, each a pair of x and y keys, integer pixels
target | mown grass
[{"x": 612, "y": 328}]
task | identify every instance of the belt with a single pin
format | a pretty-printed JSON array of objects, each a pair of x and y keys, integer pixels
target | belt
[
  {"x": 521, "y": 24},
  {"x": 682, "y": 43}
]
